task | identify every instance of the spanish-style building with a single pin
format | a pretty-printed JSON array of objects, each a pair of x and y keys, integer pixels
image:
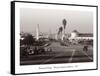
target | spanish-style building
[{"x": 75, "y": 35}]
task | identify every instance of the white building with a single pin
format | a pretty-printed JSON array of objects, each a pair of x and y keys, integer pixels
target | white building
[{"x": 81, "y": 36}]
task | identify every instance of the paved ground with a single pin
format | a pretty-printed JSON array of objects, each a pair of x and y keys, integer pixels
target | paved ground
[{"x": 60, "y": 54}]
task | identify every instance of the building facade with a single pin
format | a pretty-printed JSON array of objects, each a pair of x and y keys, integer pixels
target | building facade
[{"x": 75, "y": 36}]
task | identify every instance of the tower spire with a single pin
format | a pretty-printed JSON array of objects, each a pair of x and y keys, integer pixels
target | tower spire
[{"x": 37, "y": 32}]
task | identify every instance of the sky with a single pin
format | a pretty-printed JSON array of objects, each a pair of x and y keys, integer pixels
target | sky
[{"x": 50, "y": 20}]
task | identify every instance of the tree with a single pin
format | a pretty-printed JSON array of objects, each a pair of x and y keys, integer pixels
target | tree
[
  {"x": 60, "y": 30},
  {"x": 28, "y": 40},
  {"x": 64, "y": 25}
]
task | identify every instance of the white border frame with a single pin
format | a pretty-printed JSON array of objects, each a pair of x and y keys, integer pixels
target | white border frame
[{"x": 51, "y": 67}]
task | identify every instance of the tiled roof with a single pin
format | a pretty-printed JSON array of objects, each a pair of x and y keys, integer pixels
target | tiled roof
[{"x": 85, "y": 34}]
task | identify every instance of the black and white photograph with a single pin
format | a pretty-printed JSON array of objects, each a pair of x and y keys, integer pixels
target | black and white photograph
[{"x": 55, "y": 37}]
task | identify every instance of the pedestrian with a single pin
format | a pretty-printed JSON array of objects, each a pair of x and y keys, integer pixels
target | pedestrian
[{"x": 85, "y": 48}]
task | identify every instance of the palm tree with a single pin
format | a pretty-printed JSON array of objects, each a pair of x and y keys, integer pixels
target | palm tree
[
  {"x": 60, "y": 30},
  {"x": 64, "y": 25}
]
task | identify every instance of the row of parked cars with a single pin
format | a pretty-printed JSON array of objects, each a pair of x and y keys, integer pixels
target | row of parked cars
[{"x": 27, "y": 50}]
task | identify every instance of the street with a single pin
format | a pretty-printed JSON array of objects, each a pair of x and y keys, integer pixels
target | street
[{"x": 60, "y": 54}]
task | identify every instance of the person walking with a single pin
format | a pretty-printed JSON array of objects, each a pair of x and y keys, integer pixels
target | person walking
[{"x": 85, "y": 48}]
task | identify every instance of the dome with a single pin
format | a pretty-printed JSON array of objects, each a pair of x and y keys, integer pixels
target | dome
[
  {"x": 75, "y": 31},
  {"x": 74, "y": 34}
]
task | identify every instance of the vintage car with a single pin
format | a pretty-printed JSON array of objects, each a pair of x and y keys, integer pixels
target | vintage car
[{"x": 37, "y": 48}]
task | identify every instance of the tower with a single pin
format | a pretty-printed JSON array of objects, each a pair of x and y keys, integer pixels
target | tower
[{"x": 37, "y": 32}]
